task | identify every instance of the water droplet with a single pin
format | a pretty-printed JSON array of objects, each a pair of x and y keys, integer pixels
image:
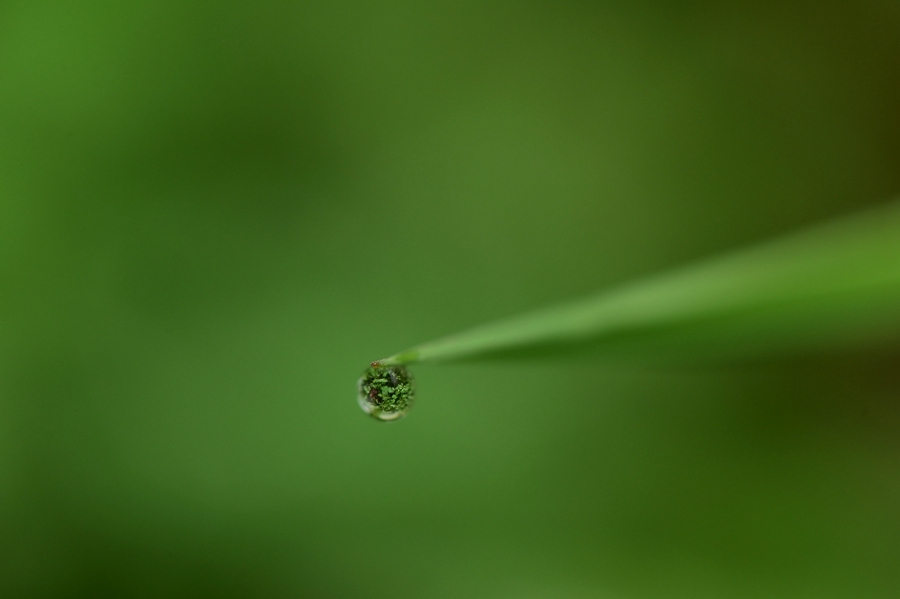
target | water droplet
[{"x": 386, "y": 392}]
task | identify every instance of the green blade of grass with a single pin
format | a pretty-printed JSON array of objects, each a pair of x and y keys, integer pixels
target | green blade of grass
[{"x": 833, "y": 285}]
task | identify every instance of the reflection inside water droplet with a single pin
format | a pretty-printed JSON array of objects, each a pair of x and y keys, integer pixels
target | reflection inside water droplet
[{"x": 386, "y": 392}]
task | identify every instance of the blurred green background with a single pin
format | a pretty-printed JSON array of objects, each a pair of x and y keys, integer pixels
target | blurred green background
[{"x": 213, "y": 215}]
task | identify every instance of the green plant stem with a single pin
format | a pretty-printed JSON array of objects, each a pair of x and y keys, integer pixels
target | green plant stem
[{"x": 835, "y": 284}]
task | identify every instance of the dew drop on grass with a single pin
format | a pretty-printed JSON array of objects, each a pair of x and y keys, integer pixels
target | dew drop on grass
[{"x": 386, "y": 392}]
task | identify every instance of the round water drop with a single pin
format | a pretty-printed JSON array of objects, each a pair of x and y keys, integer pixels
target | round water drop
[{"x": 386, "y": 392}]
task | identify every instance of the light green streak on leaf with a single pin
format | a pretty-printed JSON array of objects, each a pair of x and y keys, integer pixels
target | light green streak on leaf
[{"x": 832, "y": 285}]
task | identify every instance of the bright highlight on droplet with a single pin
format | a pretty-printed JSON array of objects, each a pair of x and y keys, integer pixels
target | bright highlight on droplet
[{"x": 386, "y": 392}]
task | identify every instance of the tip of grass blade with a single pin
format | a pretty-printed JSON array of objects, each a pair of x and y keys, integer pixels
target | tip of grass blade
[
  {"x": 406, "y": 357},
  {"x": 830, "y": 285}
]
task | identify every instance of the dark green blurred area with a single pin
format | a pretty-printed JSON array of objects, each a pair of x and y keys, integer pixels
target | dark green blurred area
[{"x": 213, "y": 215}]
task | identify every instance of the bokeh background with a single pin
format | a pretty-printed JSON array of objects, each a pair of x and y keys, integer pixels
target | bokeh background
[{"x": 213, "y": 215}]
